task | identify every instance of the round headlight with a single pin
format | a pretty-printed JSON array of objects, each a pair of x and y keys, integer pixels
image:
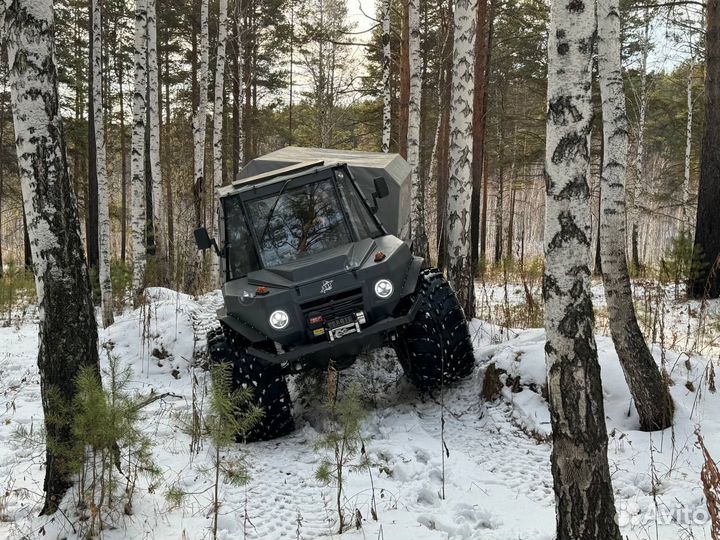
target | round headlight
[
  {"x": 279, "y": 319},
  {"x": 383, "y": 288}
]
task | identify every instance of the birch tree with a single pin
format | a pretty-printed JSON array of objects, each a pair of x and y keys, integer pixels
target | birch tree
[
  {"x": 67, "y": 328},
  {"x": 102, "y": 178},
  {"x": 585, "y": 506},
  {"x": 417, "y": 216},
  {"x": 200, "y": 116},
  {"x": 650, "y": 394},
  {"x": 460, "y": 156},
  {"x": 387, "y": 63},
  {"x": 137, "y": 159},
  {"x": 640, "y": 156},
  {"x": 158, "y": 207},
  {"x": 686, "y": 215},
  {"x": 218, "y": 112}
]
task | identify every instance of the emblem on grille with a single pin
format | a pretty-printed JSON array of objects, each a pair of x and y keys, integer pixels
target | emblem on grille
[{"x": 326, "y": 286}]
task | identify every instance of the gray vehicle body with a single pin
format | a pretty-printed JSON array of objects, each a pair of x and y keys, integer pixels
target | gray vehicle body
[{"x": 336, "y": 285}]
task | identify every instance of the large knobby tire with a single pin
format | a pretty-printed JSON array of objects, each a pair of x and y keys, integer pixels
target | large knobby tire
[
  {"x": 265, "y": 380},
  {"x": 435, "y": 348}
]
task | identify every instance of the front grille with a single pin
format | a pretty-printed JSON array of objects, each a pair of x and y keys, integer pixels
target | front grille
[{"x": 335, "y": 306}]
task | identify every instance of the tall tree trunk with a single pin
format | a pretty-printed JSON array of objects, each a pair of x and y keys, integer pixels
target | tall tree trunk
[
  {"x": 2, "y": 166},
  {"x": 585, "y": 507},
  {"x": 159, "y": 219},
  {"x": 482, "y": 56},
  {"x": 123, "y": 159},
  {"x": 686, "y": 216},
  {"x": 633, "y": 195},
  {"x": 418, "y": 227},
  {"x": 218, "y": 113},
  {"x": 707, "y": 227},
  {"x": 103, "y": 188},
  {"x": 511, "y": 221},
  {"x": 387, "y": 64},
  {"x": 200, "y": 117},
  {"x": 91, "y": 229},
  {"x": 650, "y": 394},
  {"x": 460, "y": 182},
  {"x": 67, "y": 328},
  {"x": 443, "y": 166},
  {"x": 404, "y": 106},
  {"x": 137, "y": 162}
]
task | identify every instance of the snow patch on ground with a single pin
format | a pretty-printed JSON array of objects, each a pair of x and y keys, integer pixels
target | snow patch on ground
[{"x": 490, "y": 479}]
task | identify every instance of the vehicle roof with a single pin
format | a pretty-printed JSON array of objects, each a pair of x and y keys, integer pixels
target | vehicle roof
[{"x": 273, "y": 176}]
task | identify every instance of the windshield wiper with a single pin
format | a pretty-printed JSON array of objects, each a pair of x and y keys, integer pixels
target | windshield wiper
[{"x": 272, "y": 211}]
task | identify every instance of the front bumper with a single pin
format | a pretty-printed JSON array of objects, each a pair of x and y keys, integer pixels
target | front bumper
[{"x": 341, "y": 346}]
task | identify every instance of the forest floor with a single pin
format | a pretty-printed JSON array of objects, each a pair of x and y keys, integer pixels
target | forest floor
[{"x": 490, "y": 480}]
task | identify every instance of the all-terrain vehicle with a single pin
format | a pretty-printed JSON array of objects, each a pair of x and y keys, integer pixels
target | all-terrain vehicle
[{"x": 317, "y": 267}]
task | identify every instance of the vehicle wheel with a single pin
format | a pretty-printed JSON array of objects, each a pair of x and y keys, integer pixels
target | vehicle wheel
[
  {"x": 266, "y": 381},
  {"x": 435, "y": 348}
]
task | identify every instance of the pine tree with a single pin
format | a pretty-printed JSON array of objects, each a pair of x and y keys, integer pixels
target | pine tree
[
  {"x": 67, "y": 328},
  {"x": 707, "y": 227},
  {"x": 585, "y": 505}
]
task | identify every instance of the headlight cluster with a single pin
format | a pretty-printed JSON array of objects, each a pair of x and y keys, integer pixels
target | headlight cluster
[
  {"x": 279, "y": 319},
  {"x": 383, "y": 288}
]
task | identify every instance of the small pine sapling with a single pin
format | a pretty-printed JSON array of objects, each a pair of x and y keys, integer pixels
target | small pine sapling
[
  {"x": 232, "y": 415},
  {"x": 108, "y": 425},
  {"x": 345, "y": 444}
]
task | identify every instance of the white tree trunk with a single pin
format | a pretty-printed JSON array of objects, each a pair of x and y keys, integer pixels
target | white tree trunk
[
  {"x": 417, "y": 190},
  {"x": 583, "y": 491},
  {"x": 634, "y": 191},
  {"x": 387, "y": 62},
  {"x": 158, "y": 204},
  {"x": 687, "y": 215},
  {"x": 650, "y": 394},
  {"x": 460, "y": 180},
  {"x": 102, "y": 177},
  {"x": 200, "y": 118},
  {"x": 67, "y": 328},
  {"x": 218, "y": 111},
  {"x": 137, "y": 160}
]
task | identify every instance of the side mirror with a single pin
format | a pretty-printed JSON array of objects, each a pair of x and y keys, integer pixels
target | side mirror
[
  {"x": 203, "y": 241},
  {"x": 381, "y": 191},
  {"x": 381, "y": 187}
]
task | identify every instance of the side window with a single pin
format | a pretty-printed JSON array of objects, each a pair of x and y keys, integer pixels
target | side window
[
  {"x": 360, "y": 218},
  {"x": 241, "y": 257}
]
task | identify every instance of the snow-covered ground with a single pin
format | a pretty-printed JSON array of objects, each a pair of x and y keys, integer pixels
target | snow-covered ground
[{"x": 494, "y": 472}]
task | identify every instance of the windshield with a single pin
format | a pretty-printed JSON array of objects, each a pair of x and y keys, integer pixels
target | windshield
[{"x": 295, "y": 223}]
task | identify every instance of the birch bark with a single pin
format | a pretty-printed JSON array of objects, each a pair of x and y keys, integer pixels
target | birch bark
[
  {"x": 387, "y": 62},
  {"x": 159, "y": 218},
  {"x": 460, "y": 181},
  {"x": 137, "y": 157},
  {"x": 218, "y": 112},
  {"x": 650, "y": 394},
  {"x": 686, "y": 213},
  {"x": 101, "y": 165},
  {"x": 67, "y": 328},
  {"x": 200, "y": 118},
  {"x": 583, "y": 492},
  {"x": 417, "y": 215}
]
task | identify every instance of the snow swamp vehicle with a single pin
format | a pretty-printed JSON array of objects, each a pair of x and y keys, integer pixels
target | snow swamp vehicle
[{"x": 317, "y": 267}]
